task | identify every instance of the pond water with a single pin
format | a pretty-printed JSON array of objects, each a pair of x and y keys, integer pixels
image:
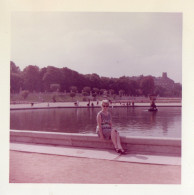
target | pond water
[{"x": 128, "y": 121}]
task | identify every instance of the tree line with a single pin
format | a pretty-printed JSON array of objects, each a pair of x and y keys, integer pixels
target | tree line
[{"x": 50, "y": 78}]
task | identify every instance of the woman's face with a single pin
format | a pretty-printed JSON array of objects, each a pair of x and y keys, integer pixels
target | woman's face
[{"x": 105, "y": 106}]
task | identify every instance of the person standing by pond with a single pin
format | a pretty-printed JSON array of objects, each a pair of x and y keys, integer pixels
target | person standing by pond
[{"x": 104, "y": 128}]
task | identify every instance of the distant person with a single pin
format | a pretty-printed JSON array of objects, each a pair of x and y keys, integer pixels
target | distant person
[
  {"x": 54, "y": 99},
  {"x": 104, "y": 128},
  {"x": 153, "y": 105}
]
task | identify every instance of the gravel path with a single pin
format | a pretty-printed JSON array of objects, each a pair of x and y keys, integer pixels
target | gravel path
[{"x": 44, "y": 168}]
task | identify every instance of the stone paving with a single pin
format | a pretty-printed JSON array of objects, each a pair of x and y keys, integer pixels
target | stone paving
[
  {"x": 49, "y": 164},
  {"x": 104, "y": 154}
]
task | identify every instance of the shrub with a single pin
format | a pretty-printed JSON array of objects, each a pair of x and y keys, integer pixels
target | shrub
[
  {"x": 84, "y": 93},
  {"x": 72, "y": 95},
  {"x": 24, "y": 94},
  {"x": 55, "y": 87}
]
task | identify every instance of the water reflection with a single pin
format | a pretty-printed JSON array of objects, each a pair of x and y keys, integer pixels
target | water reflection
[
  {"x": 166, "y": 122},
  {"x": 129, "y": 121}
]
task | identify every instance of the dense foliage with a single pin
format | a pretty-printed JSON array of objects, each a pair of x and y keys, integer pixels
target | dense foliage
[{"x": 49, "y": 79}]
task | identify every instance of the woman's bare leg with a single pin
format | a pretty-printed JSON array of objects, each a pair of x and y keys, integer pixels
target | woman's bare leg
[
  {"x": 118, "y": 141},
  {"x": 114, "y": 138}
]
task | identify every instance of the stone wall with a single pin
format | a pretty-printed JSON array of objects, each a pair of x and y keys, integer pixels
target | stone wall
[{"x": 167, "y": 146}]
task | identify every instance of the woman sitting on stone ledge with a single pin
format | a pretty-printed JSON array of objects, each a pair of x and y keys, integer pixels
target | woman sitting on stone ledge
[{"x": 104, "y": 128}]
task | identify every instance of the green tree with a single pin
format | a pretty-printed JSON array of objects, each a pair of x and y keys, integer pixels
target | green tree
[
  {"x": 72, "y": 78},
  {"x": 147, "y": 85},
  {"x": 42, "y": 72},
  {"x": 55, "y": 87},
  {"x": 160, "y": 91},
  {"x": 52, "y": 75},
  {"x": 123, "y": 84},
  {"x": 31, "y": 78},
  {"x": 177, "y": 90},
  {"x": 16, "y": 80},
  {"x": 95, "y": 90},
  {"x": 84, "y": 93},
  {"x": 87, "y": 90},
  {"x": 121, "y": 92},
  {"x": 105, "y": 83},
  {"x": 111, "y": 91},
  {"x": 102, "y": 91},
  {"x": 132, "y": 87},
  {"x": 73, "y": 89},
  {"x": 94, "y": 95},
  {"x": 14, "y": 68},
  {"x": 93, "y": 80}
]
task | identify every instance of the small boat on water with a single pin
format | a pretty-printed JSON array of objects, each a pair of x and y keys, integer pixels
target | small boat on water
[{"x": 152, "y": 109}]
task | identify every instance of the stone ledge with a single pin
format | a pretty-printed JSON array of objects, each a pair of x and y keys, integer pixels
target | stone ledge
[{"x": 168, "y": 146}]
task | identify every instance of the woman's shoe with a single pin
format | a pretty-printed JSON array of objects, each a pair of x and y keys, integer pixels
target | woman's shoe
[
  {"x": 123, "y": 151},
  {"x": 117, "y": 150}
]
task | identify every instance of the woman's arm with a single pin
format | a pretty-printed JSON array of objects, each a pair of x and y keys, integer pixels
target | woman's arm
[
  {"x": 110, "y": 120},
  {"x": 99, "y": 126}
]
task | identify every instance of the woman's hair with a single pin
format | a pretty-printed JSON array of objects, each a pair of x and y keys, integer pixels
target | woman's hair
[{"x": 105, "y": 102}]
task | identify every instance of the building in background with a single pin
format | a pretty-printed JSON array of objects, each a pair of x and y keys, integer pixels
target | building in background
[{"x": 164, "y": 81}]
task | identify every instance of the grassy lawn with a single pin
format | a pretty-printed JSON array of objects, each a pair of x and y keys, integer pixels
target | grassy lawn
[
  {"x": 65, "y": 97},
  {"x": 48, "y": 97}
]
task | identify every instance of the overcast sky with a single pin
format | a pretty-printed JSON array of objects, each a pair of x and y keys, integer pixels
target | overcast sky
[{"x": 110, "y": 44}]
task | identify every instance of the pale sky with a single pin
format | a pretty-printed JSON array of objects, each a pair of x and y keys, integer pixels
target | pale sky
[{"x": 111, "y": 44}]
